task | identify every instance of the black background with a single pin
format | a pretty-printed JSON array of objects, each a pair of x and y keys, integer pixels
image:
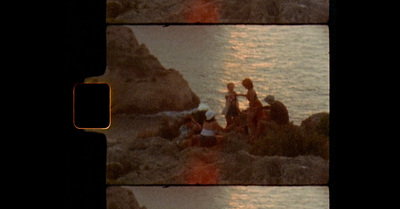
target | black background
[
  {"x": 82, "y": 174},
  {"x": 92, "y": 105}
]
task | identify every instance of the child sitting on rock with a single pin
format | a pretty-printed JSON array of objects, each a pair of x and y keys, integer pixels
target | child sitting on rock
[
  {"x": 187, "y": 132},
  {"x": 208, "y": 135}
]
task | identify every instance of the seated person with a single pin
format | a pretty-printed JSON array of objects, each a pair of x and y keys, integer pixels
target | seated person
[
  {"x": 208, "y": 135},
  {"x": 187, "y": 131},
  {"x": 277, "y": 111}
]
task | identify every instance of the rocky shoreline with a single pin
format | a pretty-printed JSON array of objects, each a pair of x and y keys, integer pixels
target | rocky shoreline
[
  {"x": 140, "y": 141},
  {"x": 144, "y": 157}
]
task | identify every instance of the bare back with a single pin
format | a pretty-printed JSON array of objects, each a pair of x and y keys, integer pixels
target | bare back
[{"x": 214, "y": 126}]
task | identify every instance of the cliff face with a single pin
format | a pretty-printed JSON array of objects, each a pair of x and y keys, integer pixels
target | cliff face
[{"x": 139, "y": 83}]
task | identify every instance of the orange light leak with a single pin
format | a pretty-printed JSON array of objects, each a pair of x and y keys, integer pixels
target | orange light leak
[
  {"x": 203, "y": 172},
  {"x": 202, "y": 11}
]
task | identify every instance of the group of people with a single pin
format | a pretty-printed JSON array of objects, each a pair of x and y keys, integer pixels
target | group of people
[{"x": 257, "y": 116}]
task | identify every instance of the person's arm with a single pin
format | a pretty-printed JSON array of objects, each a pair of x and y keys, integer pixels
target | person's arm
[
  {"x": 197, "y": 126},
  {"x": 182, "y": 131},
  {"x": 267, "y": 107},
  {"x": 244, "y": 95},
  {"x": 191, "y": 132},
  {"x": 217, "y": 127}
]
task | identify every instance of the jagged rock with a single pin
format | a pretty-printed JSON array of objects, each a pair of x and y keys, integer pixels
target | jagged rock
[
  {"x": 114, "y": 8},
  {"x": 157, "y": 160},
  {"x": 120, "y": 161},
  {"x": 305, "y": 170},
  {"x": 139, "y": 83},
  {"x": 153, "y": 159},
  {"x": 114, "y": 170}
]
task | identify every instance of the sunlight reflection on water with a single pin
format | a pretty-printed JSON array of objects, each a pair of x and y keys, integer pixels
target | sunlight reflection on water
[
  {"x": 233, "y": 197},
  {"x": 290, "y": 62}
]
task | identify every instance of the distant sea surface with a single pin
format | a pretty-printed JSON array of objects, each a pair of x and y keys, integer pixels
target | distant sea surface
[
  {"x": 289, "y": 62},
  {"x": 233, "y": 197}
]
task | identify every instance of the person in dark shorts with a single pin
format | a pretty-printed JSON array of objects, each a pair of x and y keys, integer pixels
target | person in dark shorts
[{"x": 231, "y": 110}]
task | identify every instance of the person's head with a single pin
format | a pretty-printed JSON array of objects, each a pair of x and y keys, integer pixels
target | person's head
[
  {"x": 230, "y": 86},
  {"x": 247, "y": 83},
  {"x": 270, "y": 99},
  {"x": 210, "y": 115}
]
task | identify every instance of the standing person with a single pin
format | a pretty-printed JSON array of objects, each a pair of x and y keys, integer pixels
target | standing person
[
  {"x": 208, "y": 135},
  {"x": 231, "y": 110},
  {"x": 278, "y": 111},
  {"x": 255, "y": 112}
]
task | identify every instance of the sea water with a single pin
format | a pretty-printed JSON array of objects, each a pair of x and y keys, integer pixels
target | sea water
[
  {"x": 289, "y": 62},
  {"x": 233, "y": 197}
]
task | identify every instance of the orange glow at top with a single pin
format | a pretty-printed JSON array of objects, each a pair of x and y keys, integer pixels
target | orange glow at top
[{"x": 203, "y": 11}]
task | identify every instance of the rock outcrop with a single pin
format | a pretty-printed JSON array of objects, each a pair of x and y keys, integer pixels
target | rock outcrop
[
  {"x": 318, "y": 123},
  {"x": 139, "y": 83},
  {"x": 121, "y": 198},
  {"x": 150, "y": 158}
]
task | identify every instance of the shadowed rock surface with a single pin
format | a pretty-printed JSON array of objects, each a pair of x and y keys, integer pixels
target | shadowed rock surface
[
  {"x": 217, "y": 11},
  {"x": 144, "y": 157},
  {"x": 121, "y": 198},
  {"x": 139, "y": 83}
]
